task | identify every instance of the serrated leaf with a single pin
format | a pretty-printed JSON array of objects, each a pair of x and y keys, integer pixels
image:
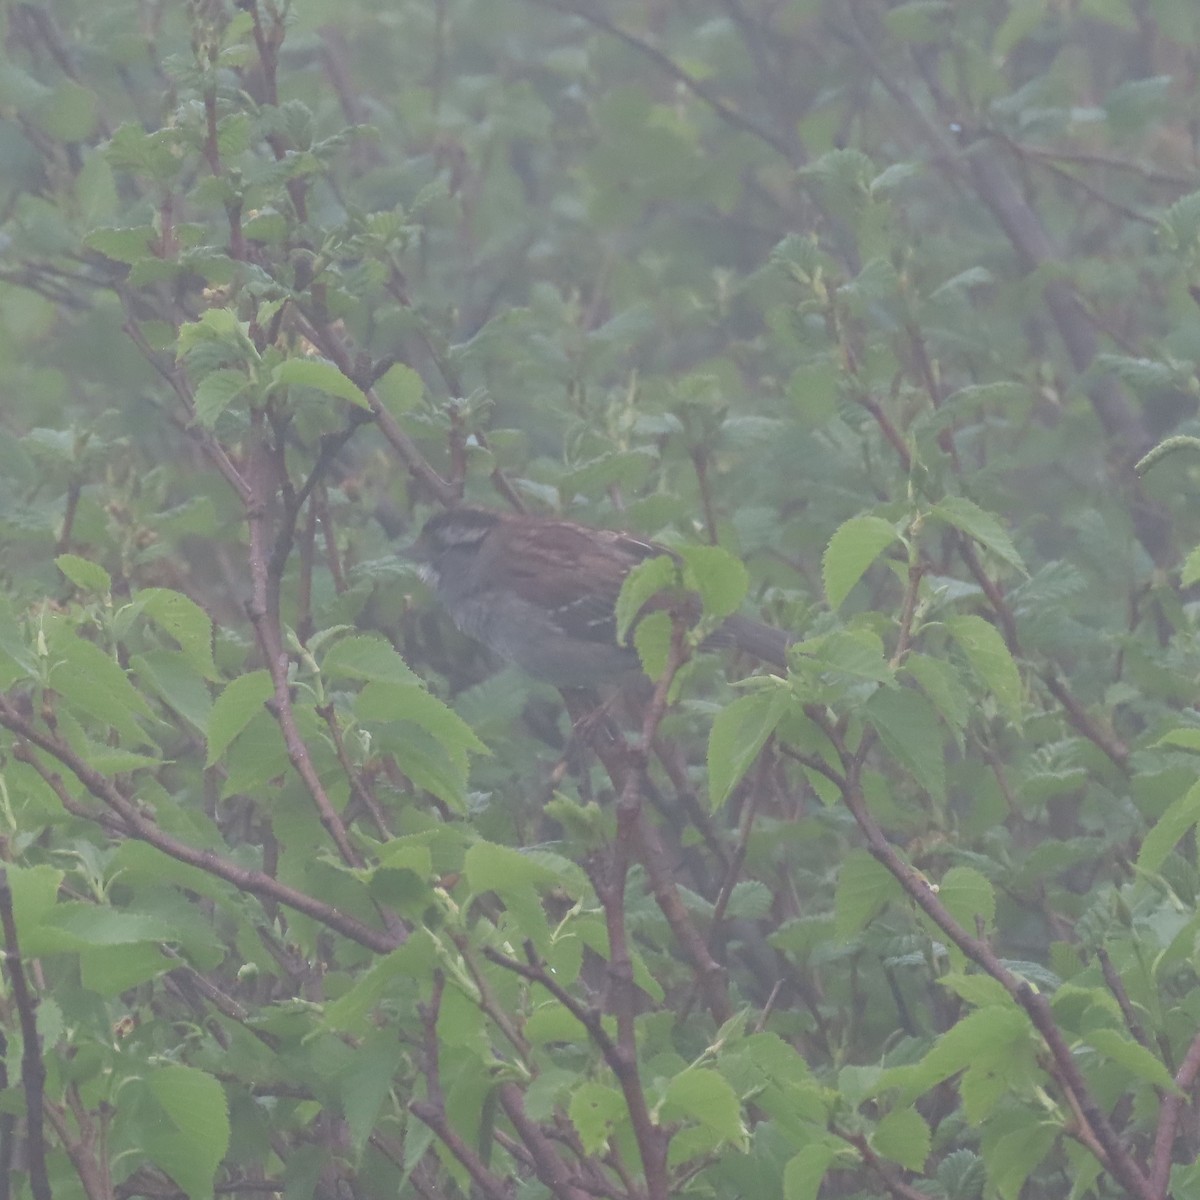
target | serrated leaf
[
  {"x": 705, "y": 1096},
  {"x": 190, "y": 1144},
  {"x": 942, "y": 683},
  {"x": 909, "y": 730},
  {"x": 864, "y": 886},
  {"x": 1190, "y": 571},
  {"x": 804, "y": 1172},
  {"x": 984, "y": 648},
  {"x": 981, "y": 525},
  {"x": 969, "y": 898},
  {"x": 237, "y": 705},
  {"x": 177, "y": 682},
  {"x": 983, "y": 1038},
  {"x": 400, "y": 389},
  {"x": 493, "y": 868},
  {"x": 92, "y": 681},
  {"x": 349, "y": 1011},
  {"x": 720, "y": 579},
  {"x": 321, "y": 375},
  {"x": 645, "y": 581},
  {"x": 365, "y": 1082},
  {"x": 87, "y": 576},
  {"x": 1166, "y": 832},
  {"x": 186, "y": 622},
  {"x": 855, "y": 545},
  {"x": 216, "y": 392},
  {"x": 595, "y": 1111},
  {"x": 517, "y": 879},
  {"x": 1013, "y": 1157},
  {"x": 367, "y": 657},
  {"x": 121, "y": 245},
  {"x": 1188, "y": 738},
  {"x": 977, "y": 990},
  {"x": 1135, "y": 1058},
  {"x": 903, "y": 1137},
  {"x": 413, "y": 702},
  {"x": 738, "y": 734}
]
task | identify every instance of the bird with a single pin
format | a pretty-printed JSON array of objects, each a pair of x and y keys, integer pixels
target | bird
[{"x": 540, "y": 592}]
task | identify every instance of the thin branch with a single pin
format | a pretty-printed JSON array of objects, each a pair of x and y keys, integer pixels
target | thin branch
[
  {"x": 1065, "y": 1069},
  {"x": 134, "y": 824},
  {"x": 790, "y": 150},
  {"x": 432, "y": 1110},
  {"x": 1168, "y": 1121},
  {"x": 33, "y": 1069}
]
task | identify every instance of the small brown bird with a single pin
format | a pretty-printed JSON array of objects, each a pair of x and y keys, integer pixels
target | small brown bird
[{"x": 541, "y": 593}]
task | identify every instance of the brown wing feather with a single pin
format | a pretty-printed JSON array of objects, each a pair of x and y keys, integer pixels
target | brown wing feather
[{"x": 560, "y": 555}]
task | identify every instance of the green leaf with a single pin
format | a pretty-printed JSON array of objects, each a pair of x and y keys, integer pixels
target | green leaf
[
  {"x": 720, "y": 579},
  {"x": 644, "y": 582},
  {"x": 364, "y": 1083},
  {"x": 493, "y": 868},
  {"x": 93, "y": 682},
  {"x": 35, "y": 894},
  {"x": 74, "y": 926},
  {"x": 1188, "y": 738},
  {"x": 121, "y": 245},
  {"x": 216, "y": 392},
  {"x": 738, "y": 734},
  {"x": 857, "y": 653},
  {"x": 1136, "y": 1059},
  {"x": 69, "y": 113},
  {"x": 903, "y": 1137},
  {"x": 349, "y": 1012},
  {"x": 652, "y": 641},
  {"x": 194, "y": 1135},
  {"x": 864, "y": 886},
  {"x": 1164, "y": 836},
  {"x": 982, "y": 1039},
  {"x": 176, "y": 681},
  {"x": 855, "y": 545},
  {"x": 805, "y": 1171},
  {"x": 114, "y": 969},
  {"x": 516, "y": 878},
  {"x": 367, "y": 657},
  {"x": 981, "y": 525},
  {"x": 396, "y": 702},
  {"x": 87, "y": 576},
  {"x": 400, "y": 389},
  {"x": 322, "y": 376},
  {"x": 942, "y": 683},
  {"x": 596, "y": 1111},
  {"x": 909, "y": 730},
  {"x": 705, "y": 1095},
  {"x": 186, "y": 622},
  {"x": 233, "y": 710},
  {"x": 1190, "y": 571},
  {"x": 969, "y": 897},
  {"x": 977, "y": 990},
  {"x": 215, "y": 325},
  {"x": 1013, "y": 1157},
  {"x": 984, "y": 648}
]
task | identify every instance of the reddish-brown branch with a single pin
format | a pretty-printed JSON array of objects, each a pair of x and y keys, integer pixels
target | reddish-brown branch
[
  {"x": 651, "y": 1138},
  {"x": 1063, "y": 1066},
  {"x": 432, "y": 1110},
  {"x": 1168, "y": 1121},
  {"x": 33, "y": 1069},
  {"x": 330, "y": 344},
  {"x": 263, "y": 608},
  {"x": 134, "y": 824},
  {"x": 1083, "y": 722}
]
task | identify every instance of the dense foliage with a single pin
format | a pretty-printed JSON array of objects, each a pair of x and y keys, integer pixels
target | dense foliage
[{"x": 882, "y": 300}]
